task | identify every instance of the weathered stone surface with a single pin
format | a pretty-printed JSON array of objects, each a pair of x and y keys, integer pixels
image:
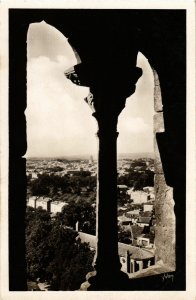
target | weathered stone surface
[
  {"x": 157, "y": 159},
  {"x": 165, "y": 245},
  {"x": 159, "y": 122},
  {"x": 158, "y": 127},
  {"x": 158, "y": 268},
  {"x": 165, "y": 222},
  {"x": 158, "y": 106}
]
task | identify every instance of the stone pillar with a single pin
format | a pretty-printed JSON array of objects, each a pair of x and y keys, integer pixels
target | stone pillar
[
  {"x": 107, "y": 262},
  {"x": 107, "y": 99},
  {"x": 107, "y": 259}
]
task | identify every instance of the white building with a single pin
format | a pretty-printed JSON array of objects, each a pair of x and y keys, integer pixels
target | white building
[
  {"x": 130, "y": 191},
  {"x": 148, "y": 207},
  {"x": 57, "y": 206},
  {"x": 45, "y": 203},
  {"x": 31, "y": 201},
  {"x": 144, "y": 242},
  {"x": 34, "y": 175},
  {"x": 139, "y": 197},
  {"x": 148, "y": 189}
]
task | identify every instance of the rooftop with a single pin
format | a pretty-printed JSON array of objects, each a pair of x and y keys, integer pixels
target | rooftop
[{"x": 136, "y": 252}]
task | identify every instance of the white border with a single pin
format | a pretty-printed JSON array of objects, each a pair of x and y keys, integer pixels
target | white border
[{"x": 190, "y": 292}]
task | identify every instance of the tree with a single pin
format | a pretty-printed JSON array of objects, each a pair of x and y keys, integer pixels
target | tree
[
  {"x": 125, "y": 237},
  {"x": 38, "y": 252},
  {"x": 72, "y": 260},
  {"x": 122, "y": 197},
  {"x": 54, "y": 253},
  {"x": 80, "y": 211}
]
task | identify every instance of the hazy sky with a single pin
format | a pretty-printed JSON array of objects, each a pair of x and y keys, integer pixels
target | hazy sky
[{"x": 59, "y": 122}]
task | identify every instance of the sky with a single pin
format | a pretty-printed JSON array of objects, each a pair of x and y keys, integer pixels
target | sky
[{"x": 59, "y": 122}]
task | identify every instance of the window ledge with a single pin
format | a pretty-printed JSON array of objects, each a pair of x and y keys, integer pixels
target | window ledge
[{"x": 156, "y": 269}]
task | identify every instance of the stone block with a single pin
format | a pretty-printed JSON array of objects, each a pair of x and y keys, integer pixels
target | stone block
[
  {"x": 159, "y": 122},
  {"x": 165, "y": 245},
  {"x": 157, "y": 159},
  {"x": 165, "y": 222},
  {"x": 158, "y": 106}
]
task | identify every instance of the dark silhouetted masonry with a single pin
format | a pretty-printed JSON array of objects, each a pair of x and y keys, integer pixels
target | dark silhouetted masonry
[{"x": 107, "y": 42}]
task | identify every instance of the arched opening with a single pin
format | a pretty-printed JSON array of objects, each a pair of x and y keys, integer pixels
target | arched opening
[
  {"x": 61, "y": 165},
  {"x": 59, "y": 125},
  {"x": 170, "y": 65},
  {"x": 139, "y": 124},
  {"x": 136, "y": 174},
  {"x": 55, "y": 109}
]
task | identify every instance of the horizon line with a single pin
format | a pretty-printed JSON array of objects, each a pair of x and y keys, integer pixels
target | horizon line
[{"x": 86, "y": 155}]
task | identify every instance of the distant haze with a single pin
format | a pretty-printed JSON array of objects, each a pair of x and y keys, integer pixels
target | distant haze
[
  {"x": 87, "y": 156},
  {"x": 59, "y": 122}
]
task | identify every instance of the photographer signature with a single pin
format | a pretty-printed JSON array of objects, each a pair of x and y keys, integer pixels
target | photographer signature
[{"x": 168, "y": 276}]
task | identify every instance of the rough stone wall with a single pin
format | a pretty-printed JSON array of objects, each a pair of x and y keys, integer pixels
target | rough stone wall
[{"x": 164, "y": 203}]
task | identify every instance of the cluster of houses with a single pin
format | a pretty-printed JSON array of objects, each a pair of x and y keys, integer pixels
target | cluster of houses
[
  {"x": 60, "y": 168},
  {"x": 124, "y": 165},
  {"x": 138, "y": 196},
  {"x": 141, "y": 200},
  {"x": 140, "y": 253},
  {"x": 133, "y": 259},
  {"x": 140, "y": 218},
  {"x": 49, "y": 166},
  {"x": 46, "y": 203}
]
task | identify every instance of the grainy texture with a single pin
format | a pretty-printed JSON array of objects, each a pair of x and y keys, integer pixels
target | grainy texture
[{"x": 158, "y": 106}]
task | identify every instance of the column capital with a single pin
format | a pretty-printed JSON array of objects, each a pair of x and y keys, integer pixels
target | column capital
[{"x": 109, "y": 86}]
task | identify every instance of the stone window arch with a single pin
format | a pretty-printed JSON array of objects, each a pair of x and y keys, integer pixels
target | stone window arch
[{"x": 172, "y": 140}]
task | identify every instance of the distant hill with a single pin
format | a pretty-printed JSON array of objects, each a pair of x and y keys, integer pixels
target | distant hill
[
  {"x": 135, "y": 155},
  {"x": 87, "y": 156}
]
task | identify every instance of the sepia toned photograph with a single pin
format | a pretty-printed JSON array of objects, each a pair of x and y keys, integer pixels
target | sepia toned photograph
[{"x": 97, "y": 160}]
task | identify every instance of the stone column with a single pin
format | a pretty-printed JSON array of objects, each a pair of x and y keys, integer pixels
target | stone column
[
  {"x": 107, "y": 262},
  {"x": 107, "y": 259},
  {"x": 107, "y": 99}
]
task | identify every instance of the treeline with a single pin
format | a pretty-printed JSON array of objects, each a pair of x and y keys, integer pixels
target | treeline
[
  {"x": 53, "y": 252},
  {"x": 51, "y": 184},
  {"x": 137, "y": 179},
  {"x": 46, "y": 184}
]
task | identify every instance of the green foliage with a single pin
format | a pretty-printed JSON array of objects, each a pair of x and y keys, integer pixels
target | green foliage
[
  {"x": 125, "y": 237},
  {"x": 55, "y": 169},
  {"x": 50, "y": 184},
  {"x": 45, "y": 184},
  {"x": 38, "y": 254},
  {"x": 137, "y": 179},
  {"x": 122, "y": 197},
  {"x": 80, "y": 210},
  {"x": 53, "y": 252},
  {"x": 72, "y": 260},
  {"x": 138, "y": 163}
]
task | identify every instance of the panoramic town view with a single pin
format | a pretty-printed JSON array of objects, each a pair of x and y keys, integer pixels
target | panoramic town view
[{"x": 61, "y": 218}]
